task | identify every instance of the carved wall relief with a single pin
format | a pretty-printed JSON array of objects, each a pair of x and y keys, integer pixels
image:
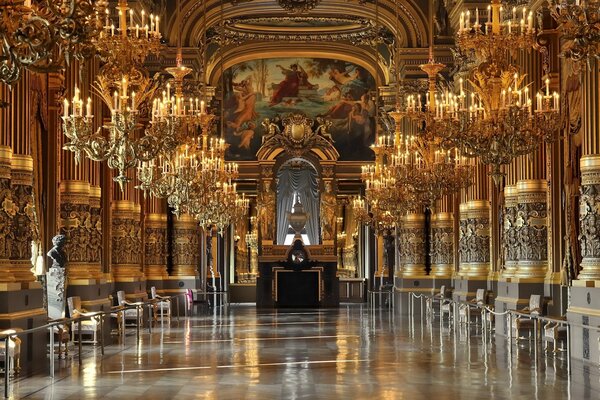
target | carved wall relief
[
  {"x": 442, "y": 245},
  {"x": 7, "y": 207},
  {"x": 126, "y": 240},
  {"x": 155, "y": 260},
  {"x": 186, "y": 255},
  {"x": 94, "y": 226},
  {"x": 510, "y": 243},
  {"x": 589, "y": 218},
  {"x": 474, "y": 239},
  {"x": 411, "y": 245},
  {"x": 22, "y": 207}
]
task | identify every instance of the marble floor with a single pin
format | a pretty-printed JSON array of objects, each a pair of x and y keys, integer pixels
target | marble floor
[{"x": 346, "y": 353}]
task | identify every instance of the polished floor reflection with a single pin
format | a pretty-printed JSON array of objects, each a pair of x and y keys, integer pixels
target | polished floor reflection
[{"x": 346, "y": 353}]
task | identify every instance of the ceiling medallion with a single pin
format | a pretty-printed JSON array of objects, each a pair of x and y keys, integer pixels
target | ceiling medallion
[{"x": 298, "y": 6}]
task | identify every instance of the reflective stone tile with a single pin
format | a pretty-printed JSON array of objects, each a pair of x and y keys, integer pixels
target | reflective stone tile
[{"x": 346, "y": 353}]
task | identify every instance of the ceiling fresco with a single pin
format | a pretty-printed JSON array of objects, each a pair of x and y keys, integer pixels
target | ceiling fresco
[{"x": 264, "y": 91}]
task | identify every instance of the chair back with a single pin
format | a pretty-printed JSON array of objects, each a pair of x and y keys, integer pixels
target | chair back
[
  {"x": 443, "y": 290},
  {"x": 74, "y": 303},
  {"x": 121, "y": 297},
  {"x": 480, "y": 296},
  {"x": 153, "y": 292},
  {"x": 535, "y": 303}
]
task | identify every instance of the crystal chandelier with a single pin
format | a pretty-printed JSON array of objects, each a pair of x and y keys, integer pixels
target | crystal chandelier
[
  {"x": 371, "y": 213},
  {"x": 123, "y": 87},
  {"x": 580, "y": 22},
  {"x": 44, "y": 35},
  {"x": 420, "y": 161},
  {"x": 498, "y": 122}
]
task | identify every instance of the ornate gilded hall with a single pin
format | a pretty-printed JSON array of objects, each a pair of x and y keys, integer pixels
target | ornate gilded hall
[{"x": 300, "y": 199}]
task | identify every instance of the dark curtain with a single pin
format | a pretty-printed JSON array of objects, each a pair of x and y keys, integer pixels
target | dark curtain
[{"x": 303, "y": 182}]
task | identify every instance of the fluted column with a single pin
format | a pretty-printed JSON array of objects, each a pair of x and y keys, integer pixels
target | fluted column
[
  {"x": 22, "y": 225},
  {"x": 474, "y": 235},
  {"x": 411, "y": 245},
  {"x": 185, "y": 247},
  {"x": 589, "y": 201},
  {"x": 442, "y": 238},
  {"x": 155, "y": 244}
]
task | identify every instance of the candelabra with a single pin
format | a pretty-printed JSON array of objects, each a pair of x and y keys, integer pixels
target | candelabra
[
  {"x": 121, "y": 149},
  {"x": 419, "y": 160},
  {"x": 124, "y": 47},
  {"x": 371, "y": 213},
  {"x": 44, "y": 35},
  {"x": 580, "y": 22},
  {"x": 498, "y": 122},
  {"x": 124, "y": 87}
]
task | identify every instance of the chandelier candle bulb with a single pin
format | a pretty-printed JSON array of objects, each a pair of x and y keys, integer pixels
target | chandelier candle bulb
[{"x": 88, "y": 108}]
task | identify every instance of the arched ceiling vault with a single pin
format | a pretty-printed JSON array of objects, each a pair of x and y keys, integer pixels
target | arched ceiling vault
[
  {"x": 253, "y": 51},
  {"x": 412, "y": 29}
]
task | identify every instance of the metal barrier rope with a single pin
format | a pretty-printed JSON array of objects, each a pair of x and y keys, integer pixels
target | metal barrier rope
[{"x": 87, "y": 316}]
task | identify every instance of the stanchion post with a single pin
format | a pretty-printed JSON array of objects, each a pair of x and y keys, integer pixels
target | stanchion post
[
  {"x": 52, "y": 351},
  {"x": 79, "y": 338},
  {"x": 137, "y": 325},
  {"x": 101, "y": 318},
  {"x": 569, "y": 349},
  {"x": 6, "y": 367}
]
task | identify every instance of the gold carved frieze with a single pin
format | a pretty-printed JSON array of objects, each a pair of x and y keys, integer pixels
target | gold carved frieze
[
  {"x": 126, "y": 240},
  {"x": 589, "y": 220},
  {"x": 474, "y": 240}
]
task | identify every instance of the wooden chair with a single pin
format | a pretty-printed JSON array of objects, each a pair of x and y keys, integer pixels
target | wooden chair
[
  {"x": 521, "y": 323},
  {"x": 130, "y": 314},
  {"x": 554, "y": 332},
  {"x": 465, "y": 312},
  {"x": 162, "y": 306},
  {"x": 14, "y": 352},
  {"x": 62, "y": 337},
  {"x": 89, "y": 328}
]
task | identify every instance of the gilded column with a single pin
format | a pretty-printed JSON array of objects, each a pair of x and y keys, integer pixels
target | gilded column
[
  {"x": 589, "y": 200},
  {"x": 411, "y": 246},
  {"x": 6, "y": 212},
  {"x": 442, "y": 238},
  {"x": 78, "y": 220},
  {"x": 126, "y": 238},
  {"x": 510, "y": 242},
  {"x": 185, "y": 247},
  {"x": 532, "y": 218},
  {"x": 474, "y": 235},
  {"x": 155, "y": 244},
  {"x": 22, "y": 225}
]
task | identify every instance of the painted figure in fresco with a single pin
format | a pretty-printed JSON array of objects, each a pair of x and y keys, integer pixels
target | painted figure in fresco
[
  {"x": 289, "y": 86},
  {"x": 246, "y": 135},
  {"x": 245, "y": 100},
  {"x": 359, "y": 123}
]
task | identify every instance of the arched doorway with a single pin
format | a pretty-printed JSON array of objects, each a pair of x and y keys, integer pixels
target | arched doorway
[{"x": 297, "y": 180}]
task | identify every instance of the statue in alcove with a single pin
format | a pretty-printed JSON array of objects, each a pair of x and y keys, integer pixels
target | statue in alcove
[
  {"x": 328, "y": 205},
  {"x": 266, "y": 212}
]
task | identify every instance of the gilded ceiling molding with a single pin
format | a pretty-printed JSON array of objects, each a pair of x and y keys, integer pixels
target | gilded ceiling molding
[
  {"x": 413, "y": 19},
  {"x": 257, "y": 50}
]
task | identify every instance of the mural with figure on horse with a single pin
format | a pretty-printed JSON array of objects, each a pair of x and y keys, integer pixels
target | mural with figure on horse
[{"x": 263, "y": 92}]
